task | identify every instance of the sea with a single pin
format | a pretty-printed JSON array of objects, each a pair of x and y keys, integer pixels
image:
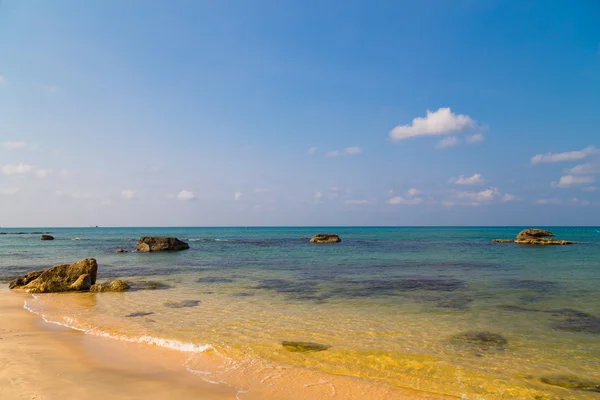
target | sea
[{"x": 437, "y": 311}]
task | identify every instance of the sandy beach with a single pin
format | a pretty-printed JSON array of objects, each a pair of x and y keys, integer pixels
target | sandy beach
[{"x": 39, "y": 360}]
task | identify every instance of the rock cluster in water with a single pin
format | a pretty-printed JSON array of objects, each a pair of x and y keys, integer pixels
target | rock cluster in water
[
  {"x": 115, "y": 286},
  {"x": 534, "y": 236},
  {"x": 148, "y": 244},
  {"x": 325, "y": 238}
]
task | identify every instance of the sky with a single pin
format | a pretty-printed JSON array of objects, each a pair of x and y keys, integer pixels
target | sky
[{"x": 324, "y": 113}]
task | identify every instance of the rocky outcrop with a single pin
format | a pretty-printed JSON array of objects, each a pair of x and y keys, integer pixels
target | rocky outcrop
[
  {"x": 325, "y": 238},
  {"x": 148, "y": 244},
  {"x": 115, "y": 286},
  {"x": 79, "y": 276},
  {"x": 46, "y": 237},
  {"x": 536, "y": 237}
]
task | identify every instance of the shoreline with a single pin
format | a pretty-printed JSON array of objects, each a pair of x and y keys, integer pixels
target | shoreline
[{"x": 40, "y": 360}]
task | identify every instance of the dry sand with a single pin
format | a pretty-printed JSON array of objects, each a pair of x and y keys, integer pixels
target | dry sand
[{"x": 46, "y": 362}]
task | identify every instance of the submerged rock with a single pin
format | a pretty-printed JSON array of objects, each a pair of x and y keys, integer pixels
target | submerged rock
[
  {"x": 24, "y": 280},
  {"x": 148, "y": 244},
  {"x": 149, "y": 285},
  {"x": 46, "y": 237},
  {"x": 115, "y": 286},
  {"x": 580, "y": 323},
  {"x": 60, "y": 278},
  {"x": 571, "y": 382},
  {"x": 182, "y": 304},
  {"x": 534, "y": 236},
  {"x": 304, "y": 347},
  {"x": 484, "y": 340},
  {"x": 121, "y": 251},
  {"x": 325, "y": 238},
  {"x": 138, "y": 314}
]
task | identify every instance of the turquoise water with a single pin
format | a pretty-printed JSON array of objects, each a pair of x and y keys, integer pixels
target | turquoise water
[{"x": 390, "y": 302}]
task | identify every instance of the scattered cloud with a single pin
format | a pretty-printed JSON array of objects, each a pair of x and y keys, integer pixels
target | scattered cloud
[
  {"x": 12, "y": 145},
  {"x": 128, "y": 194},
  {"x": 507, "y": 197},
  {"x": 413, "y": 192},
  {"x": 42, "y": 173},
  {"x": 399, "y": 200},
  {"x": 568, "y": 181},
  {"x": 548, "y": 201},
  {"x": 440, "y": 122},
  {"x": 11, "y": 169},
  {"x": 585, "y": 169},
  {"x": 237, "y": 196},
  {"x": 476, "y": 138},
  {"x": 317, "y": 197},
  {"x": 185, "y": 195},
  {"x": 475, "y": 179},
  {"x": 571, "y": 201},
  {"x": 566, "y": 156},
  {"x": 9, "y": 191},
  {"x": 590, "y": 189},
  {"x": 348, "y": 151},
  {"x": 312, "y": 150},
  {"x": 476, "y": 198},
  {"x": 450, "y": 141},
  {"x": 356, "y": 202}
]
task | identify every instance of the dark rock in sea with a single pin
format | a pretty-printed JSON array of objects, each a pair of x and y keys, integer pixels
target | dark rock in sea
[
  {"x": 24, "y": 280},
  {"x": 148, "y": 285},
  {"x": 535, "y": 237},
  {"x": 325, "y": 238},
  {"x": 517, "y": 308},
  {"x": 182, "y": 304},
  {"x": 483, "y": 340},
  {"x": 148, "y": 244},
  {"x": 115, "y": 286},
  {"x": 571, "y": 382},
  {"x": 121, "y": 251},
  {"x": 62, "y": 278},
  {"x": 304, "y": 347},
  {"x": 533, "y": 285},
  {"x": 46, "y": 237},
  {"x": 582, "y": 324},
  {"x": 503, "y": 241},
  {"x": 214, "y": 279},
  {"x": 243, "y": 294},
  {"x": 460, "y": 303},
  {"x": 138, "y": 314}
]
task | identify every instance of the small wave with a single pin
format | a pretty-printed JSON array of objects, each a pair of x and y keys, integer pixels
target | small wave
[
  {"x": 208, "y": 240},
  {"x": 146, "y": 339}
]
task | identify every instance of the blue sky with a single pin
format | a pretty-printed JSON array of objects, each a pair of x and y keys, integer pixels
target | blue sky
[{"x": 437, "y": 112}]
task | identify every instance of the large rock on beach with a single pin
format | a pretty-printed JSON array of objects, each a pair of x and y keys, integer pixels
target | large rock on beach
[
  {"x": 78, "y": 276},
  {"x": 46, "y": 237},
  {"x": 535, "y": 237},
  {"x": 115, "y": 286},
  {"x": 148, "y": 244},
  {"x": 325, "y": 238}
]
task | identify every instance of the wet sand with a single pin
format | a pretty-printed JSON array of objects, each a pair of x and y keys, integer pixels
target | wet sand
[{"x": 39, "y": 360}]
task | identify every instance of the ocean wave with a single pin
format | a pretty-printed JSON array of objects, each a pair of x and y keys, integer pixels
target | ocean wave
[
  {"x": 173, "y": 344},
  {"x": 208, "y": 240}
]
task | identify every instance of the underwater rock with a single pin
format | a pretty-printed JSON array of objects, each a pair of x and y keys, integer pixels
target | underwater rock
[
  {"x": 484, "y": 340},
  {"x": 460, "y": 303},
  {"x": 46, "y": 237},
  {"x": 148, "y": 244},
  {"x": 138, "y": 314},
  {"x": 571, "y": 382},
  {"x": 115, "y": 286},
  {"x": 121, "y": 251},
  {"x": 61, "y": 278},
  {"x": 503, "y": 241},
  {"x": 149, "y": 285},
  {"x": 182, "y": 304},
  {"x": 325, "y": 238},
  {"x": 304, "y": 347},
  {"x": 583, "y": 323},
  {"x": 214, "y": 279}
]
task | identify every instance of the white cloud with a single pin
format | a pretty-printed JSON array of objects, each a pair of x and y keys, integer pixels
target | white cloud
[
  {"x": 356, "y": 202},
  {"x": 348, "y": 151},
  {"x": 11, "y": 169},
  {"x": 566, "y": 156},
  {"x": 9, "y": 191},
  {"x": 237, "y": 196},
  {"x": 185, "y": 195},
  {"x": 567, "y": 181},
  {"x": 312, "y": 150},
  {"x": 12, "y": 145},
  {"x": 128, "y": 194},
  {"x": 585, "y": 169},
  {"x": 475, "y": 179},
  {"x": 476, "y": 138},
  {"x": 399, "y": 200},
  {"x": 440, "y": 122},
  {"x": 448, "y": 142},
  {"x": 507, "y": 197},
  {"x": 412, "y": 192},
  {"x": 590, "y": 189},
  {"x": 484, "y": 196},
  {"x": 548, "y": 201},
  {"x": 42, "y": 173}
]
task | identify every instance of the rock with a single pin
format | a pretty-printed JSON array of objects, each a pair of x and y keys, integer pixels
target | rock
[
  {"x": 115, "y": 286},
  {"x": 304, "y": 347},
  {"x": 182, "y": 304},
  {"x": 325, "y": 238},
  {"x": 61, "y": 278},
  {"x": 148, "y": 244},
  {"x": 30, "y": 276},
  {"x": 536, "y": 237},
  {"x": 572, "y": 382},
  {"x": 121, "y": 251},
  {"x": 149, "y": 285},
  {"x": 46, "y": 237},
  {"x": 138, "y": 314},
  {"x": 484, "y": 340}
]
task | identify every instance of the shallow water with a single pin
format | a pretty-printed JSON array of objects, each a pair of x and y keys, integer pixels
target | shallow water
[{"x": 388, "y": 301}]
